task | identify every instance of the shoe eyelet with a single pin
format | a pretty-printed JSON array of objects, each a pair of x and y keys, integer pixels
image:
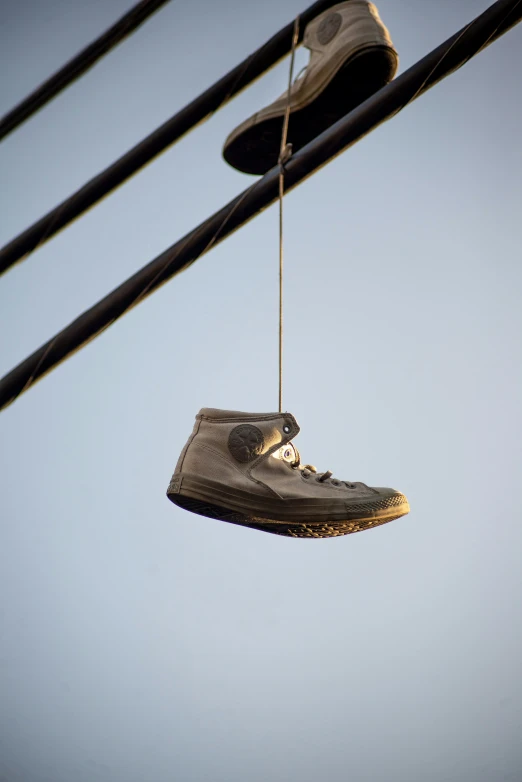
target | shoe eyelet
[
  {"x": 288, "y": 453},
  {"x": 286, "y": 429}
]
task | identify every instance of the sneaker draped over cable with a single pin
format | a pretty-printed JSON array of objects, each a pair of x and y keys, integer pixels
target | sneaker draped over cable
[{"x": 351, "y": 57}]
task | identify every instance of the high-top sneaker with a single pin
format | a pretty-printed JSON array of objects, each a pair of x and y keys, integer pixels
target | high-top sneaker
[
  {"x": 351, "y": 57},
  {"x": 242, "y": 468}
]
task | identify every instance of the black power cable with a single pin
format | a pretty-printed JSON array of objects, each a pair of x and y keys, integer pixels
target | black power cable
[
  {"x": 173, "y": 129},
  {"x": 79, "y": 65},
  {"x": 441, "y": 62}
]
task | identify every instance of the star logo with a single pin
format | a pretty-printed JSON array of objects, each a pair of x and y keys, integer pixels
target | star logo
[
  {"x": 246, "y": 442},
  {"x": 329, "y": 28}
]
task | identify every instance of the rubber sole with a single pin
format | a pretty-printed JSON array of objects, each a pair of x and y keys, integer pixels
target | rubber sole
[
  {"x": 360, "y": 517},
  {"x": 256, "y": 149}
]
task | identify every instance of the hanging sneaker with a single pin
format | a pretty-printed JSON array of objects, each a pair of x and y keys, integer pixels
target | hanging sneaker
[
  {"x": 242, "y": 468},
  {"x": 352, "y": 57}
]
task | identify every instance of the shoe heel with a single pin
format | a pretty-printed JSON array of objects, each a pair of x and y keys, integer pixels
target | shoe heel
[{"x": 200, "y": 506}]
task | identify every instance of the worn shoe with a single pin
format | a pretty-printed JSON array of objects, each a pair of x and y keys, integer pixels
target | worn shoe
[
  {"x": 352, "y": 56},
  {"x": 242, "y": 468}
]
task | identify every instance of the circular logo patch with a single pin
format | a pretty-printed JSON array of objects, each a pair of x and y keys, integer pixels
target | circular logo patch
[
  {"x": 329, "y": 28},
  {"x": 245, "y": 442}
]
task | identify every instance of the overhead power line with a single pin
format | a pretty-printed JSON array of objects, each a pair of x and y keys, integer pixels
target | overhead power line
[
  {"x": 172, "y": 130},
  {"x": 441, "y": 62},
  {"x": 79, "y": 65}
]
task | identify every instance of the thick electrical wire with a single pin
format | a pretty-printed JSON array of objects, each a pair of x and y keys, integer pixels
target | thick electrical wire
[
  {"x": 437, "y": 65},
  {"x": 58, "y": 218},
  {"x": 79, "y": 64}
]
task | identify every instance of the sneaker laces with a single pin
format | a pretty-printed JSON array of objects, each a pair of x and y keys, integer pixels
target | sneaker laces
[
  {"x": 306, "y": 67},
  {"x": 299, "y": 75},
  {"x": 312, "y": 50},
  {"x": 308, "y": 469}
]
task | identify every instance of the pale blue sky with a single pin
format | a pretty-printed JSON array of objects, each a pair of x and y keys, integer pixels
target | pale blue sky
[{"x": 141, "y": 643}]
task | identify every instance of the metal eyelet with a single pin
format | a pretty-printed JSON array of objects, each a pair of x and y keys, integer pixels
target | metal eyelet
[
  {"x": 287, "y": 453},
  {"x": 286, "y": 429}
]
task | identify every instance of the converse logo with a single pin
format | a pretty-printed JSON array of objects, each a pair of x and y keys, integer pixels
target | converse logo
[
  {"x": 245, "y": 442},
  {"x": 329, "y": 28}
]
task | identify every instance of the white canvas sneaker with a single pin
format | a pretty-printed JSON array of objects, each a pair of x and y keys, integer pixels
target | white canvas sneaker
[
  {"x": 242, "y": 468},
  {"x": 351, "y": 57}
]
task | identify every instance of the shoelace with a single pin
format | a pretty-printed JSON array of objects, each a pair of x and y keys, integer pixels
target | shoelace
[
  {"x": 309, "y": 469},
  {"x": 305, "y": 67},
  {"x": 301, "y": 72}
]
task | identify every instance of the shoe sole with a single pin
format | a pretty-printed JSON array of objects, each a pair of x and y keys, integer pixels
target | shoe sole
[
  {"x": 305, "y": 518},
  {"x": 255, "y": 150}
]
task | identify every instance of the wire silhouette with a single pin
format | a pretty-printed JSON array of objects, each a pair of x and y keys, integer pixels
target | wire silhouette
[
  {"x": 79, "y": 65},
  {"x": 199, "y": 110}
]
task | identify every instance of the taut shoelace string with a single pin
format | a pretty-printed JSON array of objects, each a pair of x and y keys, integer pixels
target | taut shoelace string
[{"x": 285, "y": 152}]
